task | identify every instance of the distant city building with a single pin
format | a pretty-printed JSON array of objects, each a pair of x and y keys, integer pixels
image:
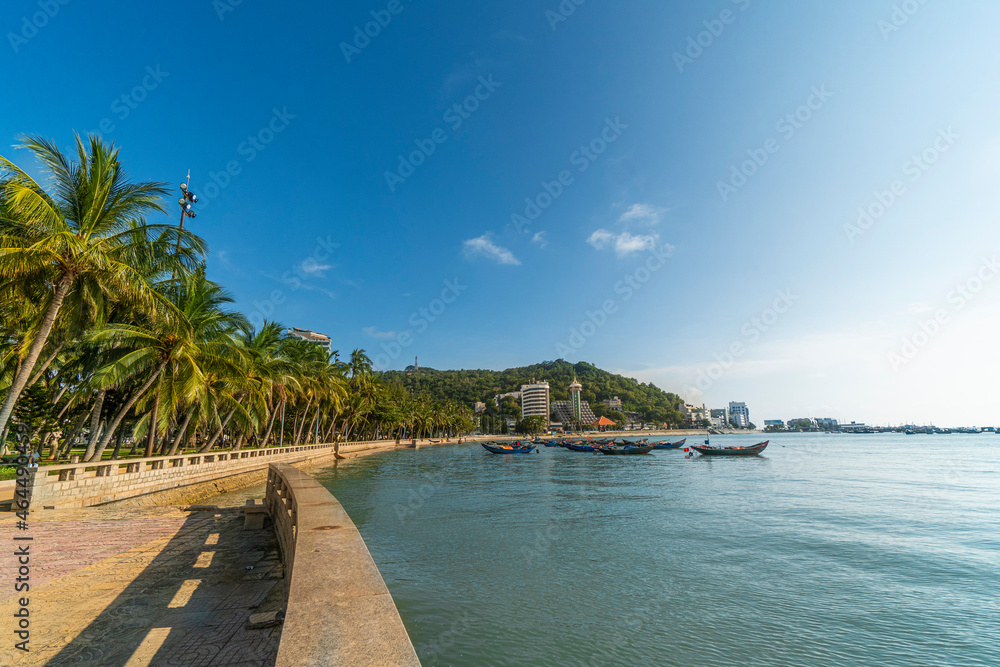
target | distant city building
[
  {"x": 614, "y": 403},
  {"x": 694, "y": 415},
  {"x": 720, "y": 418},
  {"x": 574, "y": 411},
  {"x": 739, "y": 414},
  {"x": 774, "y": 422},
  {"x": 826, "y": 422},
  {"x": 479, "y": 406},
  {"x": 535, "y": 399},
  {"x": 322, "y": 340},
  {"x": 563, "y": 412}
]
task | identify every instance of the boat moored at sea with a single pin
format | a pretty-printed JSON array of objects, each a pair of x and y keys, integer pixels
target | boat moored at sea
[
  {"x": 613, "y": 450},
  {"x": 514, "y": 448},
  {"x": 752, "y": 450},
  {"x": 669, "y": 445}
]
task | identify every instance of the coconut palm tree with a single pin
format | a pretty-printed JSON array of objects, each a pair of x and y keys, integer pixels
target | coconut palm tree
[{"x": 80, "y": 240}]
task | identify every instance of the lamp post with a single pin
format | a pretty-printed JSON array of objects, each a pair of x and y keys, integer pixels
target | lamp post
[{"x": 187, "y": 201}]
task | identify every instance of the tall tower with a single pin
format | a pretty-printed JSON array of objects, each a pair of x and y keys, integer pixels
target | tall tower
[{"x": 574, "y": 396}]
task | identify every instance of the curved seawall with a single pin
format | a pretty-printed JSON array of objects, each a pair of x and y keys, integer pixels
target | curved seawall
[{"x": 339, "y": 610}]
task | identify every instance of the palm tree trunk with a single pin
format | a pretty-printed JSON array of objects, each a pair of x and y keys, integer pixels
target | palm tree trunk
[
  {"x": 118, "y": 445},
  {"x": 55, "y": 401},
  {"x": 75, "y": 431},
  {"x": 24, "y": 372},
  {"x": 153, "y": 417},
  {"x": 124, "y": 410},
  {"x": 45, "y": 366},
  {"x": 270, "y": 427},
  {"x": 211, "y": 442},
  {"x": 305, "y": 416},
  {"x": 95, "y": 423},
  {"x": 180, "y": 433}
]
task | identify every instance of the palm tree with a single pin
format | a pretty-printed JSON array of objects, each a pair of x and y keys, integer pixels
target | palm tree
[
  {"x": 182, "y": 346},
  {"x": 82, "y": 241}
]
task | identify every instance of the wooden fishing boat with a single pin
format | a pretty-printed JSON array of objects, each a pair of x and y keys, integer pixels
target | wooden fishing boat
[
  {"x": 435, "y": 442},
  {"x": 669, "y": 445},
  {"x": 612, "y": 450},
  {"x": 579, "y": 447},
  {"x": 516, "y": 448},
  {"x": 753, "y": 450}
]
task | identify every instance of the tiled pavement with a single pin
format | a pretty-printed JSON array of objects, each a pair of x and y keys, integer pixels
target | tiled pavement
[{"x": 150, "y": 586}]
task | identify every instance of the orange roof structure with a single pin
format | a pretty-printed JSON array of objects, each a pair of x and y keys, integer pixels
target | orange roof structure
[{"x": 603, "y": 421}]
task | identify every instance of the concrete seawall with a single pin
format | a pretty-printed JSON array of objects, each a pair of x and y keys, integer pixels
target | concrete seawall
[
  {"x": 172, "y": 479},
  {"x": 339, "y": 611}
]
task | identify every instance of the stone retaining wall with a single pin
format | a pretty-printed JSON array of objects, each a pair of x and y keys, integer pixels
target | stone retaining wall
[
  {"x": 339, "y": 610},
  {"x": 89, "y": 484}
]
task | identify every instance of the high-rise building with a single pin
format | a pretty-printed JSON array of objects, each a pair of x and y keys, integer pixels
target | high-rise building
[
  {"x": 574, "y": 411},
  {"x": 322, "y": 340},
  {"x": 575, "y": 390},
  {"x": 720, "y": 418},
  {"x": 535, "y": 400},
  {"x": 739, "y": 414}
]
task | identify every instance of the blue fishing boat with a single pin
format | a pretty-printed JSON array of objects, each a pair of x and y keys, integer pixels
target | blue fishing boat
[
  {"x": 669, "y": 445},
  {"x": 515, "y": 448},
  {"x": 580, "y": 448}
]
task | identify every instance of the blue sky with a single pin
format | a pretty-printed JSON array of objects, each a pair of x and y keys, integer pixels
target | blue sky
[{"x": 647, "y": 255}]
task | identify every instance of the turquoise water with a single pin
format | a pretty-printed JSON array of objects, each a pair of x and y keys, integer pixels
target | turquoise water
[{"x": 826, "y": 550}]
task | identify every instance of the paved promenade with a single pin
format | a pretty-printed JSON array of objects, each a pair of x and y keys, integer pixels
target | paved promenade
[{"x": 148, "y": 586}]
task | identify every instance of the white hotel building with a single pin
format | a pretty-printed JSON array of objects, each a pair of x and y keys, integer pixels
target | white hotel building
[{"x": 535, "y": 400}]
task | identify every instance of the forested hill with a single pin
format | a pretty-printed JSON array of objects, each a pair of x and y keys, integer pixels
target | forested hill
[{"x": 468, "y": 387}]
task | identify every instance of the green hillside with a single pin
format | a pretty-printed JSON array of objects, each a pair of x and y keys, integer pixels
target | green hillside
[{"x": 470, "y": 386}]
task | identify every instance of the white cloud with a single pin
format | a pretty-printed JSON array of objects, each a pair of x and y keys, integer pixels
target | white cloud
[
  {"x": 483, "y": 246},
  {"x": 643, "y": 214},
  {"x": 540, "y": 239},
  {"x": 381, "y": 335},
  {"x": 313, "y": 268},
  {"x": 601, "y": 239},
  {"x": 625, "y": 243}
]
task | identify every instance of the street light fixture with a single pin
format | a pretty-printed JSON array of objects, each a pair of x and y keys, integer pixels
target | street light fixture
[{"x": 187, "y": 210}]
